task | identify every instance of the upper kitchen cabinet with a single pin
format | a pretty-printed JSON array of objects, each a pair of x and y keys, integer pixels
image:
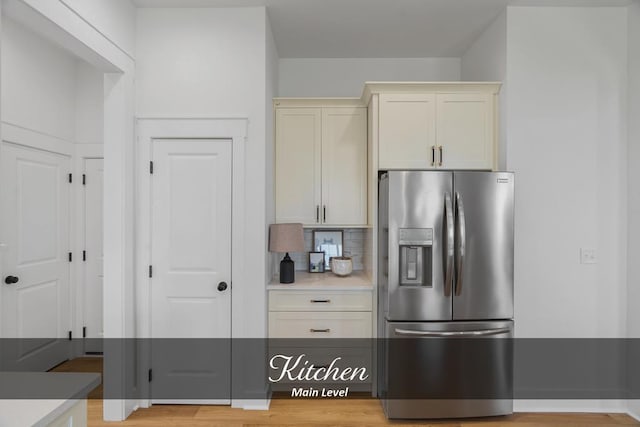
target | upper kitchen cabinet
[
  {"x": 434, "y": 125},
  {"x": 407, "y": 130},
  {"x": 321, "y": 162}
]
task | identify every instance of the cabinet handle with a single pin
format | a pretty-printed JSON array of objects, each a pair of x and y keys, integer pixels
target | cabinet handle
[
  {"x": 433, "y": 155},
  {"x": 320, "y": 301},
  {"x": 440, "y": 148},
  {"x": 320, "y": 330},
  {"x": 324, "y": 213},
  {"x": 317, "y": 213}
]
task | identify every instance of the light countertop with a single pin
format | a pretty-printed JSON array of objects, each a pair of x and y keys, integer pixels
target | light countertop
[
  {"x": 358, "y": 280},
  {"x": 38, "y": 398}
]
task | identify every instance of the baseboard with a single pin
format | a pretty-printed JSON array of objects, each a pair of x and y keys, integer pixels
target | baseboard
[
  {"x": 593, "y": 406},
  {"x": 257, "y": 405},
  {"x": 254, "y": 400},
  {"x": 634, "y": 412}
]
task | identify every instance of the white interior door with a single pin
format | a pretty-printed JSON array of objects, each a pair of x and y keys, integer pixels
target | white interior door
[
  {"x": 34, "y": 198},
  {"x": 191, "y": 270},
  {"x": 93, "y": 254}
]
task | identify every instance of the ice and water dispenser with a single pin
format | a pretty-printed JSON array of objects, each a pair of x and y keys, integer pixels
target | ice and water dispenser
[{"x": 416, "y": 256}]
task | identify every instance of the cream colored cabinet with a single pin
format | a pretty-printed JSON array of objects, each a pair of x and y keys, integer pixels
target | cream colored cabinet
[
  {"x": 326, "y": 319},
  {"x": 321, "y": 165},
  {"x": 344, "y": 166},
  {"x": 407, "y": 131},
  {"x": 320, "y": 314},
  {"x": 298, "y": 164},
  {"x": 436, "y": 126},
  {"x": 465, "y": 131}
]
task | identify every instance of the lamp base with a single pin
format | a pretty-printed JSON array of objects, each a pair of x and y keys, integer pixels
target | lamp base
[{"x": 287, "y": 270}]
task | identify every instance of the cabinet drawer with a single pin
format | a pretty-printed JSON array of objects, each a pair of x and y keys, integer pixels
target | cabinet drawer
[
  {"x": 319, "y": 324},
  {"x": 319, "y": 301}
]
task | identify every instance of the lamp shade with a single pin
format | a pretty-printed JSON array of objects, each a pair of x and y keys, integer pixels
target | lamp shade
[{"x": 286, "y": 238}]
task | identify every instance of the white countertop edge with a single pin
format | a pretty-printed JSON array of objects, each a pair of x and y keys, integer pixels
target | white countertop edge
[{"x": 42, "y": 412}]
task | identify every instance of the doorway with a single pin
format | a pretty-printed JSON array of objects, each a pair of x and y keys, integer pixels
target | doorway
[
  {"x": 191, "y": 185},
  {"x": 34, "y": 199},
  {"x": 191, "y": 269}
]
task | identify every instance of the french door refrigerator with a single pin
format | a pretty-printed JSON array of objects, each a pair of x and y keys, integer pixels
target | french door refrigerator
[{"x": 445, "y": 262}]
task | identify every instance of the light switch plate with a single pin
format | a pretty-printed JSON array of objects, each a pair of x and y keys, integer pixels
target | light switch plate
[{"x": 588, "y": 256}]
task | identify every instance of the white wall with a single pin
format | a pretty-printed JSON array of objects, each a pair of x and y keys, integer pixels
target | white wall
[
  {"x": 89, "y": 104},
  {"x": 211, "y": 63},
  {"x": 633, "y": 279},
  {"x": 115, "y": 19},
  {"x": 48, "y": 90},
  {"x": 486, "y": 60},
  {"x": 566, "y": 73},
  {"x": 337, "y": 77},
  {"x": 38, "y": 83},
  {"x": 272, "y": 91}
]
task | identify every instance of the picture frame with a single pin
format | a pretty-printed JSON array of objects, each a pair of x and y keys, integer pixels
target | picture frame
[
  {"x": 329, "y": 242},
  {"x": 316, "y": 262}
]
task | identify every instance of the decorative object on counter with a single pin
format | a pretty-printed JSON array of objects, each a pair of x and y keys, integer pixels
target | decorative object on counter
[
  {"x": 316, "y": 262},
  {"x": 341, "y": 265},
  {"x": 329, "y": 242},
  {"x": 286, "y": 238}
]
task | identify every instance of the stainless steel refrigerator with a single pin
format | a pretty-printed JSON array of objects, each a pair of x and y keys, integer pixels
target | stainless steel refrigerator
[{"x": 445, "y": 261}]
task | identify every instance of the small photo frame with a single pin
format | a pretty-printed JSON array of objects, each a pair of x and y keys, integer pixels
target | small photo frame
[
  {"x": 329, "y": 242},
  {"x": 316, "y": 262}
]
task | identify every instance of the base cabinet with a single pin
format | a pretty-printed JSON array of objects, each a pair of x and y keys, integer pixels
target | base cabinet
[
  {"x": 76, "y": 416},
  {"x": 329, "y": 330}
]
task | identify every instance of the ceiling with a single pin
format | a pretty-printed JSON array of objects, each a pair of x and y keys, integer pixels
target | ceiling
[{"x": 376, "y": 28}]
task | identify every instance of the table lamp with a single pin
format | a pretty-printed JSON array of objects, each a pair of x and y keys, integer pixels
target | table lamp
[{"x": 286, "y": 238}]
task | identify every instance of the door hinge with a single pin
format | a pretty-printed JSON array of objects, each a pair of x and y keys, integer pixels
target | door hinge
[
  {"x": 70, "y": 257},
  {"x": 84, "y": 332},
  {"x": 70, "y": 335},
  {"x": 151, "y": 168},
  {"x": 151, "y": 271},
  {"x": 150, "y": 375},
  {"x": 84, "y": 255},
  {"x": 84, "y": 179},
  {"x": 70, "y": 178}
]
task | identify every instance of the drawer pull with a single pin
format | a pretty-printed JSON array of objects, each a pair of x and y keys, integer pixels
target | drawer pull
[
  {"x": 326, "y": 331},
  {"x": 320, "y": 301}
]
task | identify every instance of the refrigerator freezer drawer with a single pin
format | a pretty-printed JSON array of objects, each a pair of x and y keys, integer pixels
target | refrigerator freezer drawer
[{"x": 447, "y": 369}]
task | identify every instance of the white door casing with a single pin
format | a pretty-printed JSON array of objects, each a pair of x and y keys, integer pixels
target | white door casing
[
  {"x": 93, "y": 274},
  {"x": 34, "y": 198},
  {"x": 152, "y": 129}
]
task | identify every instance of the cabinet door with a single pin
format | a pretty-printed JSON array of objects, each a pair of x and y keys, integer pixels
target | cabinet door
[
  {"x": 465, "y": 130},
  {"x": 406, "y": 131},
  {"x": 344, "y": 166},
  {"x": 297, "y": 165}
]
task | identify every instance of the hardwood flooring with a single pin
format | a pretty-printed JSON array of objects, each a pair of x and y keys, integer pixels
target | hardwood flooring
[{"x": 314, "y": 412}]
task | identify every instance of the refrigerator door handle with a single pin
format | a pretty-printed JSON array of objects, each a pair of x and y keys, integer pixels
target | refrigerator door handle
[
  {"x": 448, "y": 334},
  {"x": 462, "y": 242},
  {"x": 449, "y": 245}
]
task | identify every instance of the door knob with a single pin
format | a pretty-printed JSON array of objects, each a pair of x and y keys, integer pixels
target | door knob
[
  {"x": 10, "y": 280},
  {"x": 222, "y": 286}
]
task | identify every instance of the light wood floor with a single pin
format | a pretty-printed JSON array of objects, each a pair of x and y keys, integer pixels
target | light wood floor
[
  {"x": 303, "y": 412},
  {"x": 329, "y": 413}
]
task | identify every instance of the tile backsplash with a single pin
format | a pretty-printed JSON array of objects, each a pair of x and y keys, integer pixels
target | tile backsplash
[{"x": 353, "y": 240}]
